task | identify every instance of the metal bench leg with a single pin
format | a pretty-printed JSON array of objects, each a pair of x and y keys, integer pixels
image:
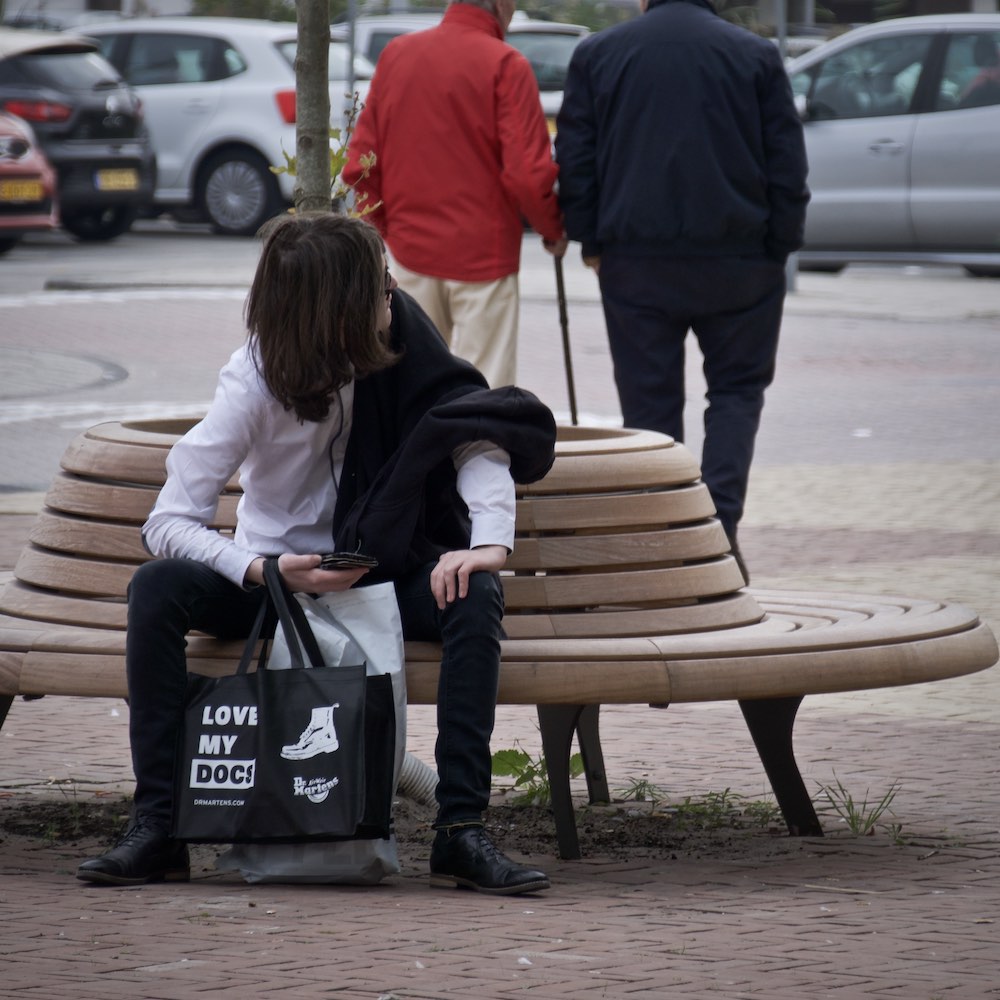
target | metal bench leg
[
  {"x": 557, "y": 724},
  {"x": 770, "y": 721},
  {"x": 589, "y": 737}
]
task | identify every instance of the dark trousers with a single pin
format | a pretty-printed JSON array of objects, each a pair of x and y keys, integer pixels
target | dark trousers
[
  {"x": 733, "y": 305},
  {"x": 170, "y": 597}
]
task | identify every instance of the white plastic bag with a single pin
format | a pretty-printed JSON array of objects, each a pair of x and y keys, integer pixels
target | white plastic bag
[{"x": 354, "y": 626}]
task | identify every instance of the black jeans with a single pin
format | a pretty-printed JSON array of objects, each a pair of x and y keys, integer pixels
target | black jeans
[
  {"x": 733, "y": 305},
  {"x": 170, "y": 597}
]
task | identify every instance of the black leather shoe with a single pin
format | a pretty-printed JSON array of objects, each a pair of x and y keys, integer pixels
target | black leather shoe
[
  {"x": 468, "y": 859},
  {"x": 146, "y": 853}
]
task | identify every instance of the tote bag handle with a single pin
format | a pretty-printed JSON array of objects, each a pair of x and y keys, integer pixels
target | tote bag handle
[{"x": 295, "y": 625}]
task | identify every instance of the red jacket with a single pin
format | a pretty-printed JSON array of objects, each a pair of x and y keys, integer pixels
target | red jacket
[{"x": 454, "y": 119}]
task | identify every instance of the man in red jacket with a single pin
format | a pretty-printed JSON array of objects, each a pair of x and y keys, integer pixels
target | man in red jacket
[{"x": 462, "y": 153}]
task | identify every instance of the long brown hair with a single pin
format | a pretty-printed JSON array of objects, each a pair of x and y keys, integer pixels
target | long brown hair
[{"x": 315, "y": 307}]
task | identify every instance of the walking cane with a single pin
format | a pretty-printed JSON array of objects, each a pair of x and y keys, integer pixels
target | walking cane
[{"x": 564, "y": 324}]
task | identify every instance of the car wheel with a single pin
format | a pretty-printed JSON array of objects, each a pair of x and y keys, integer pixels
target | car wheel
[
  {"x": 238, "y": 193},
  {"x": 96, "y": 224},
  {"x": 983, "y": 272},
  {"x": 8, "y": 242}
]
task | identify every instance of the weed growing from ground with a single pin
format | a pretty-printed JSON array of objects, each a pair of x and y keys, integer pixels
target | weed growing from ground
[
  {"x": 530, "y": 774},
  {"x": 861, "y": 817}
]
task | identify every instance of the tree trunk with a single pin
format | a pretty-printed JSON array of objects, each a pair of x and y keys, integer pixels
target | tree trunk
[{"x": 312, "y": 125}]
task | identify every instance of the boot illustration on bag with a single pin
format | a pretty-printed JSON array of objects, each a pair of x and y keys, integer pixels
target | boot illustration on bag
[{"x": 318, "y": 737}]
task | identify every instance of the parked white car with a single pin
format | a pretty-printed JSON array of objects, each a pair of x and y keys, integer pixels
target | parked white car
[
  {"x": 902, "y": 127},
  {"x": 547, "y": 45},
  {"x": 219, "y": 99}
]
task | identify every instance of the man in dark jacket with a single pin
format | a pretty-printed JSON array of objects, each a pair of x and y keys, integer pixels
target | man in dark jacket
[{"x": 682, "y": 172}]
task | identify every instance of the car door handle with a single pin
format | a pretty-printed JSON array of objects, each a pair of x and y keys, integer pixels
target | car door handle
[
  {"x": 196, "y": 107},
  {"x": 885, "y": 146}
]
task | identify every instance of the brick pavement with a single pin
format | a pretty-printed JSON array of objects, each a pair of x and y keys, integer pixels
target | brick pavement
[{"x": 840, "y": 916}]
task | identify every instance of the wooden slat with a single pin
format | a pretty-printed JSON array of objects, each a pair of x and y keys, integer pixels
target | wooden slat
[
  {"x": 789, "y": 671},
  {"x": 636, "y": 549},
  {"x": 129, "y": 504},
  {"x": 632, "y": 588},
  {"x": 125, "y": 463},
  {"x": 731, "y": 611},
  {"x": 578, "y": 440},
  {"x": 618, "y": 472},
  {"x": 102, "y": 539},
  {"x": 21, "y": 601},
  {"x": 160, "y": 434},
  {"x": 89, "y": 498},
  {"x": 626, "y": 511},
  {"x": 53, "y": 571}
]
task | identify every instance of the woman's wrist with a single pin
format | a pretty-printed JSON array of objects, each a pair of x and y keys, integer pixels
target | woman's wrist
[{"x": 254, "y": 576}]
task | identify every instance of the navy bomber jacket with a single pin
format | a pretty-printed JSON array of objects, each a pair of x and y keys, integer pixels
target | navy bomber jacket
[{"x": 678, "y": 136}]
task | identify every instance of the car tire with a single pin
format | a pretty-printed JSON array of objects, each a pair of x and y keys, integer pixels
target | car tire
[
  {"x": 99, "y": 224},
  {"x": 238, "y": 193},
  {"x": 821, "y": 268},
  {"x": 8, "y": 243},
  {"x": 977, "y": 271}
]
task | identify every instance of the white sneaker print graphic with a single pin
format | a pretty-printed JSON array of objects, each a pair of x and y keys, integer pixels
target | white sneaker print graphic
[{"x": 319, "y": 736}]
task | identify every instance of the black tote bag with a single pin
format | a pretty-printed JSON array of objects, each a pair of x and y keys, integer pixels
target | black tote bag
[{"x": 285, "y": 755}]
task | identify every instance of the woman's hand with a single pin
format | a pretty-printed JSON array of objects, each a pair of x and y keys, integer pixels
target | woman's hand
[
  {"x": 450, "y": 578},
  {"x": 303, "y": 575}
]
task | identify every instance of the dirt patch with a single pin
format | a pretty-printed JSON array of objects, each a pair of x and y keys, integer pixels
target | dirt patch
[{"x": 621, "y": 831}]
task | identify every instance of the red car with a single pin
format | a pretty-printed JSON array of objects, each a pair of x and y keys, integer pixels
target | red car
[{"x": 27, "y": 184}]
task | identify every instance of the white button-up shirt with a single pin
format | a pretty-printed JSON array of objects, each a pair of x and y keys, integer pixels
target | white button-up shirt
[{"x": 289, "y": 471}]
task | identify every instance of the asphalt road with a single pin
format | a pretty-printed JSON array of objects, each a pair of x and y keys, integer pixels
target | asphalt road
[{"x": 875, "y": 365}]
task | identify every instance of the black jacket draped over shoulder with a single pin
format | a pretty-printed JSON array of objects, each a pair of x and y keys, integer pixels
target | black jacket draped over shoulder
[{"x": 398, "y": 500}]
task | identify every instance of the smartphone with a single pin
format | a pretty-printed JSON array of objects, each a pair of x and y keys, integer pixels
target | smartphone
[{"x": 347, "y": 560}]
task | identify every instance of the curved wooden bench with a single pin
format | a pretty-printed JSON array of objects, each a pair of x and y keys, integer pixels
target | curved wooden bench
[{"x": 621, "y": 589}]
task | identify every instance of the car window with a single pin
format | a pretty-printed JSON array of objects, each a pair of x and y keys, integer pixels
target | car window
[
  {"x": 379, "y": 39},
  {"x": 971, "y": 74},
  {"x": 871, "y": 79},
  {"x": 549, "y": 54},
  {"x": 363, "y": 69},
  {"x": 66, "y": 70},
  {"x": 165, "y": 58}
]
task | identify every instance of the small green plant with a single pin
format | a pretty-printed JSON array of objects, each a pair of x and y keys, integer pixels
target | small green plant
[
  {"x": 724, "y": 810},
  {"x": 895, "y": 831},
  {"x": 641, "y": 790},
  {"x": 763, "y": 813},
  {"x": 861, "y": 817},
  {"x": 340, "y": 193},
  {"x": 71, "y": 820},
  {"x": 531, "y": 776},
  {"x": 710, "y": 812}
]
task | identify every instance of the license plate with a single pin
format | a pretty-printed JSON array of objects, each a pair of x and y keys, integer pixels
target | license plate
[
  {"x": 117, "y": 180},
  {"x": 21, "y": 191},
  {"x": 551, "y": 123}
]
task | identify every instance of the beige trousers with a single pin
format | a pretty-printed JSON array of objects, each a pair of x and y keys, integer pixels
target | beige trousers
[{"x": 478, "y": 319}]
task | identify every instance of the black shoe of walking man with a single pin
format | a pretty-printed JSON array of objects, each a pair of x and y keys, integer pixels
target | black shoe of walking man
[
  {"x": 145, "y": 853},
  {"x": 466, "y": 858}
]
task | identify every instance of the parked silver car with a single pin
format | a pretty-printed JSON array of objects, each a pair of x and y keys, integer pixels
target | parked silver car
[
  {"x": 902, "y": 125},
  {"x": 219, "y": 98}
]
